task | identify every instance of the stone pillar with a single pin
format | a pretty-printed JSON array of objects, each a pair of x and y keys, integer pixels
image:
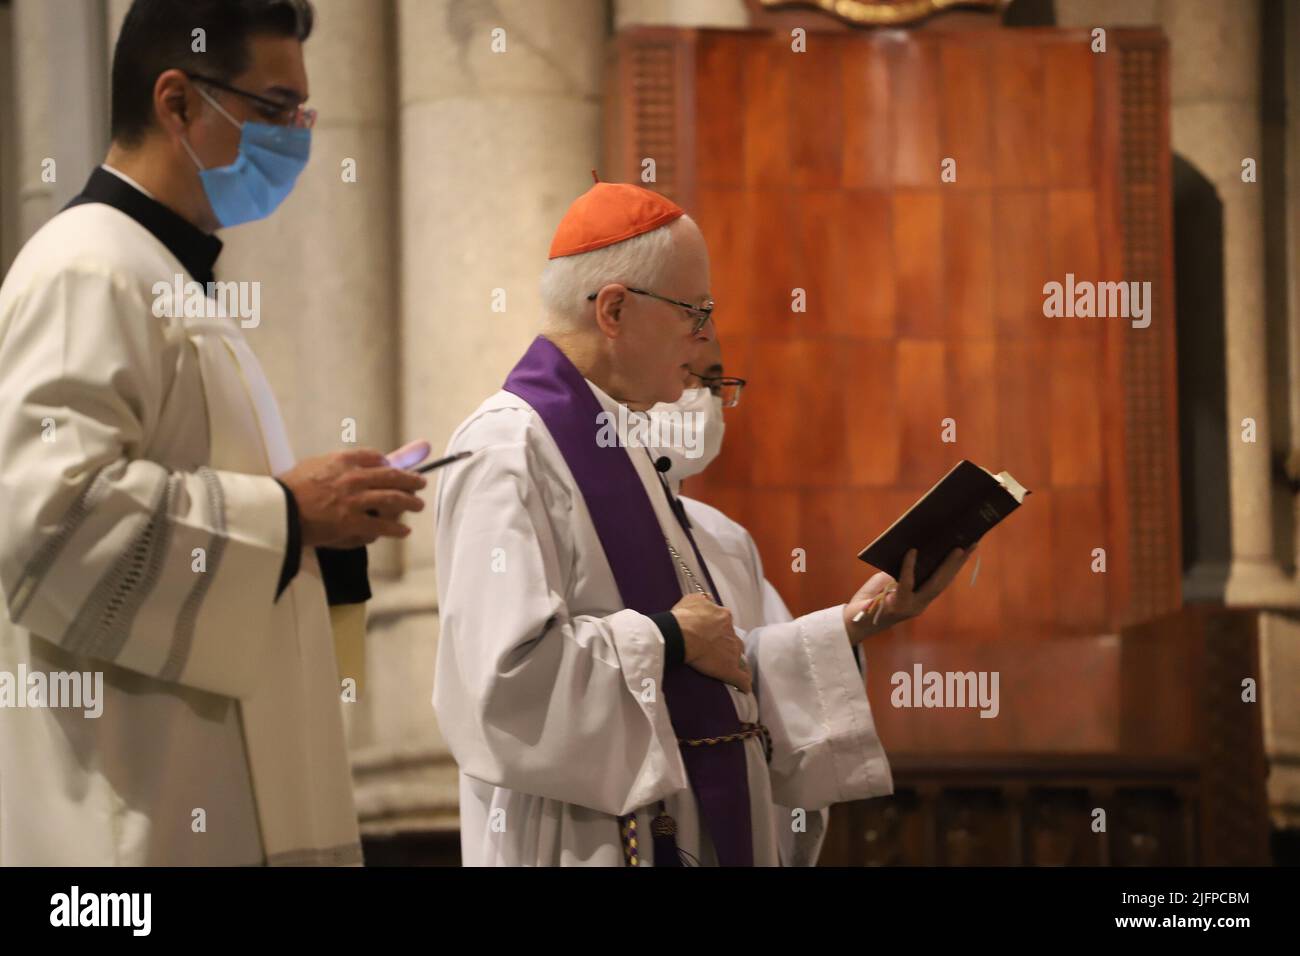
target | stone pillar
[
  {"x": 1279, "y": 637},
  {"x": 494, "y": 147},
  {"x": 326, "y": 258},
  {"x": 9, "y": 207},
  {"x": 1291, "y": 110},
  {"x": 60, "y": 103},
  {"x": 327, "y": 264},
  {"x": 1216, "y": 125},
  {"x": 116, "y": 13}
]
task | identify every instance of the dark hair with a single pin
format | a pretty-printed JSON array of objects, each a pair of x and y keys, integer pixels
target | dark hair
[{"x": 158, "y": 35}]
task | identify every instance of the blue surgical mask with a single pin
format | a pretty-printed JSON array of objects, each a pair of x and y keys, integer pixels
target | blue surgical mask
[{"x": 262, "y": 175}]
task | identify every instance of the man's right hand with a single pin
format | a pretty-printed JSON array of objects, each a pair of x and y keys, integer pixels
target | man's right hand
[
  {"x": 712, "y": 647},
  {"x": 335, "y": 491}
]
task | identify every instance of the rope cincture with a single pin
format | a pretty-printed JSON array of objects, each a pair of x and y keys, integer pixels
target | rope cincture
[
  {"x": 627, "y": 826},
  {"x": 663, "y": 824},
  {"x": 746, "y": 731}
]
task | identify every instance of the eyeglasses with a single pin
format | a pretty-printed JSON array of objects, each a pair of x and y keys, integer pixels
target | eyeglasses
[
  {"x": 724, "y": 387},
  {"x": 273, "y": 111},
  {"x": 700, "y": 313}
]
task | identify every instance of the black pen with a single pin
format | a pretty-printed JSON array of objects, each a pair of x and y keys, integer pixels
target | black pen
[{"x": 431, "y": 466}]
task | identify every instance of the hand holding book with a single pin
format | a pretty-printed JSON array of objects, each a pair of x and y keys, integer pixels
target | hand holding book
[
  {"x": 930, "y": 543},
  {"x": 883, "y": 601},
  {"x": 960, "y": 509}
]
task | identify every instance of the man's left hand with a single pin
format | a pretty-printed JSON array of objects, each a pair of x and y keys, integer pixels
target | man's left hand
[{"x": 905, "y": 600}]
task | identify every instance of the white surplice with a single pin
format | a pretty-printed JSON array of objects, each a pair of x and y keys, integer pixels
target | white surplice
[
  {"x": 806, "y": 697},
  {"x": 142, "y": 536},
  {"x": 547, "y": 689}
]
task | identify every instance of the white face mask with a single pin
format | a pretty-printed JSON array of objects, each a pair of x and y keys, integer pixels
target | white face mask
[{"x": 690, "y": 432}]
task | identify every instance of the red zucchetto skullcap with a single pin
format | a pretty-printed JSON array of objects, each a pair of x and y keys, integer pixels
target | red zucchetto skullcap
[{"x": 608, "y": 213}]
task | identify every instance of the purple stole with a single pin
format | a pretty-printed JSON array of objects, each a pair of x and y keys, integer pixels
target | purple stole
[{"x": 634, "y": 545}]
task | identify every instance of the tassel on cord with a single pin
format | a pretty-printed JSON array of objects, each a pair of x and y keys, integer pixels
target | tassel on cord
[{"x": 663, "y": 829}]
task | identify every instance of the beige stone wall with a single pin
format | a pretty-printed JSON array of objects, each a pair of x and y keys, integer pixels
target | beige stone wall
[
  {"x": 60, "y": 103},
  {"x": 8, "y": 146}
]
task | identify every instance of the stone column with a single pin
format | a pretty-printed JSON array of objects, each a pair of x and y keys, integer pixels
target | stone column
[
  {"x": 116, "y": 13},
  {"x": 500, "y": 109},
  {"x": 326, "y": 258},
  {"x": 327, "y": 264},
  {"x": 1279, "y": 638},
  {"x": 60, "y": 103},
  {"x": 8, "y": 153},
  {"x": 1216, "y": 125}
]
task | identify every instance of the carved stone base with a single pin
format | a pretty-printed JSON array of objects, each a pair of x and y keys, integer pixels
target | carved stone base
[
  {"x": 1260, "y": 583},
  {"x": 1279, "y": 664}
]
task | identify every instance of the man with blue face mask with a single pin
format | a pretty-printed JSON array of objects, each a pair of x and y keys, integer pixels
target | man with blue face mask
[{"x": 166, "y": 564}]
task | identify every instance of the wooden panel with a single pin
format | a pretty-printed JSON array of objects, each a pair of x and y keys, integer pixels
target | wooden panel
[
  {"x": 1019, "y": 220},
  {"x": 1032, "y": 811},
  {"x": 922, "y": 383},
  {"x": 816, "y": 118},
  {"x": 968, "y": 262},
  {"x": 868, "y": 93},
  {"x": 720, "y": 120},
  {"x": 865, "y": 303},
  {"x": 872, "y": 423},
  {"x": 1070, "y": 103},
  {"x": 914, "y": 69},
  {"x": 1019, "y": 144},
  {"x": 723, "y": 214},
  {"x": 925, "y": 301},
  {"x": 822, "y": 259},
  {"x": 1075, "y": 433},
  {"x": 770, "y": 216},
  {"x": 918, "y": 235},
  {"x": 767, "y": 113},
  {"x": 968, "y": 112}
]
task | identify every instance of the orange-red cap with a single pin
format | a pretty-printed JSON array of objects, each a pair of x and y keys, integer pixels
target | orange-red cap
[{"x": 608, "y": 213}]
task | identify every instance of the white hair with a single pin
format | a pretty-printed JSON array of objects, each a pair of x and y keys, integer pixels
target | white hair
[{"x": 638, "y": 262}]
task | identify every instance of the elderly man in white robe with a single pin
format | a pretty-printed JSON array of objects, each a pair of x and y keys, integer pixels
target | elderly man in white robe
[
  {"x": 602, "y": 703},
  {"x": 160, "y": 546}
]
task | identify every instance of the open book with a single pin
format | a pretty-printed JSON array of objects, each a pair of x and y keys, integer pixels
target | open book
[{"x": 955, "y": 513}]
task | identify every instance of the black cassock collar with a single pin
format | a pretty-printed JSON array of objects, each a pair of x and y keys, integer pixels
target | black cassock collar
[{"x": 196, "y": 250}]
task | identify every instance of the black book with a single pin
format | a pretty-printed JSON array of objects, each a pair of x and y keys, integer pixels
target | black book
[{"x": 955, "y": 513}]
